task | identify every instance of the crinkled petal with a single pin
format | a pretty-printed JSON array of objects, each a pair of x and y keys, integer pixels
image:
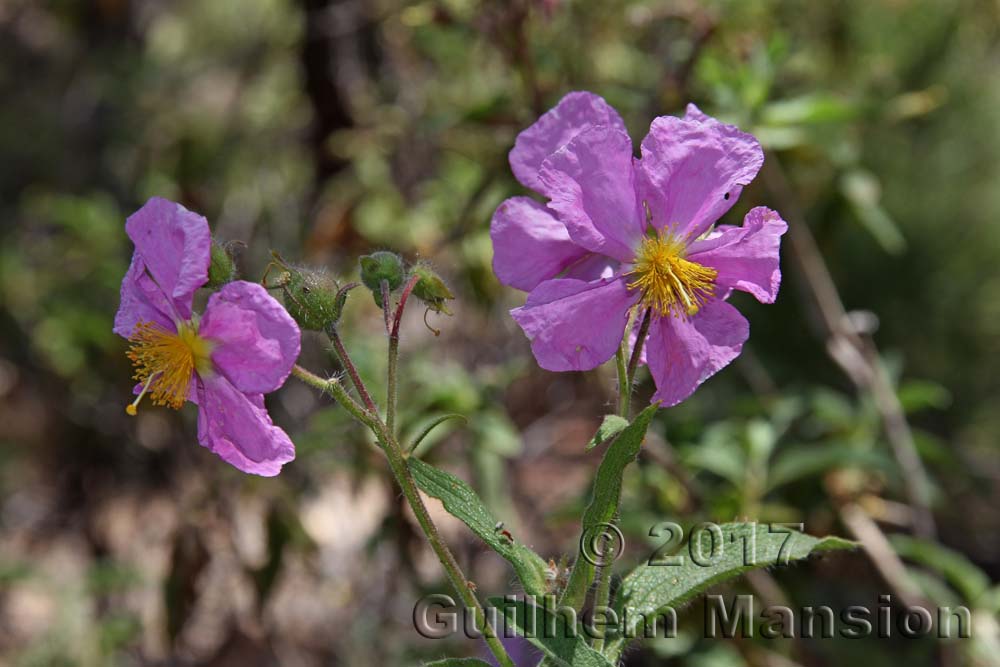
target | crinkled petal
[
  {"x": 591, "y": 186},
  {"x": 683, "y": 353},
  {"x": 575, "y": 112},
  {"x": 175, "y": 245},
  {"x": 746, "y": 257},
  {"x": 255, "y": 340},
  {"x": 236, "y": 426},
  {"x": 593, "y": 267},
  {"x": 529, "y": 244},
  {"x": 693, "y": 170},
  {"x": 141, "y": 301},
  {"x": 575, "y": 325}
]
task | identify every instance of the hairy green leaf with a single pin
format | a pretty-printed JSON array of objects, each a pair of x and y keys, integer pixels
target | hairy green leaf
[
  {"x": 434, "y": 423},
  {"x": 462, "y": 502},
  {"x": 714, "y": 554},
  {"x": 458, "y": 662},
  {"x": 604, "y": 505},
  {"x": 562, "y": 644},
  {"x": 609, "y": 428}
]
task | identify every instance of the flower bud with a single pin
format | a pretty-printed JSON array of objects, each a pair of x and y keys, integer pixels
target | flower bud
[
  {"x": 378, "y": 266},
  {"x": 431, "y": 289},
  {"x": 313, "y": 298},
  {"x": 222, "y": 268}
]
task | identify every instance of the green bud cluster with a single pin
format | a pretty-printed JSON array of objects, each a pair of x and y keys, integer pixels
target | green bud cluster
[
  {"x": 387, "y": 266},
  {"x": 379, "y": 266}
]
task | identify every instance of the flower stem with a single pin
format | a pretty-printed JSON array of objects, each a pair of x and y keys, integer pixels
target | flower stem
[
  {"x": 352, "y": 371},
  {"x": 390, "y": 409},
  {"x": 384, "y": 293},
  {"x": 602, "y": 599},
  {"x": 640, "y": 340},
  {"x": 624, "y": 389},
  {"x": 397, "y": 464},
  {"x": 337, "y": 391}
]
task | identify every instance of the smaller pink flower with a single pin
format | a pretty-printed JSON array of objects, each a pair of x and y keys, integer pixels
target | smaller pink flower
[
  {"x": 621, "y": 236},
  {"x": 243, "y": 346}
]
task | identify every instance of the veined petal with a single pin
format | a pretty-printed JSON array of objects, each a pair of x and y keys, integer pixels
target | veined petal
[
  {"x": 593, "y": 267},
  {"x": 591, "y": 186},
  {"x": 141, "y": 301},
  {"x": 683, "y": 353},
  {"x": 255, "y": 340},
  {"x": 746, "y": 257},
  {"x": 175, "y": 245},
  {"x": 529, "y": 244},
  {"x": 236, "y": 426},
  {"x": 554, "y": 129},
  {"x": 575, "y": 325},
  {"x": 693, "y": 170}
]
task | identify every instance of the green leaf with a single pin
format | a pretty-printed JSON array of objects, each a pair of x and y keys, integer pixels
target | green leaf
[
  {"x": 434, "y": 423},
  {"x": 702, "y": 564},
  {"x": 565, "y": 646},
  {"x": 458, "y": 662},
  {"x": 864, "y": 192},
  {"x": 806, "y": 460},
  {"x": 462, "y": 502},
  {"x": 609, "y": 428},
  {"x": 604, "y": 504},
  {"x": 960, "y": 572}
]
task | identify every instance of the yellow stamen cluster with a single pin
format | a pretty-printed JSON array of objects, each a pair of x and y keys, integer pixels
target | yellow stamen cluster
[
  {"x": 165, "y": 360},
  {"x": 669, "y": 283}
]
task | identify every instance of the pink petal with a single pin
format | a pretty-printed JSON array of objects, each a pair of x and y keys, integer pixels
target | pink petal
[
  {"x": 592, "y": 267},
  {"x": 556, "y": 127},
  {"x": 684, "y": 353},
  {"x": 591, "y": 184},
  {"x": 575, "y": 325},
  {"x": 256, "y": 340},
  {"x": 693, "y": 170},
  {"x": 141, "y": 301},
  {"x": 529, "y": 244},
  {"x": 746, "y": 257},
  {"x": 236, "y": 426},
  {"x": 175, "y": 246}
]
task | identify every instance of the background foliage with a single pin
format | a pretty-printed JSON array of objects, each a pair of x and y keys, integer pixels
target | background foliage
[{"x": 327, "y": 128}]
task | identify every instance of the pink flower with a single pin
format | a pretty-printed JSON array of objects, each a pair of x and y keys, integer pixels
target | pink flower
[
  {"x": 243, "y": 346},
  {"x": 621, "y": 234}
]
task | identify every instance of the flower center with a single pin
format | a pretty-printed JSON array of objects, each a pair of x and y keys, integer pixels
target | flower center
[
  {"x": 668, "y": 282},
  {"x": 164, "y": 361}
]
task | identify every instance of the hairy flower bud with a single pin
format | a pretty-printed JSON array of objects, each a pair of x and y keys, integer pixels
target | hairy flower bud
[
  {"x": 431, "y": 289},
  {"x": 313, "y": 298},
  {"x": 382, "y": 265},
  {"x": 222, "y": 268}
]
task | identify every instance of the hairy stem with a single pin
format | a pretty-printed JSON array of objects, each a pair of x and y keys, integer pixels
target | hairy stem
[
  {"x": 390, "y": 410},
  {"x": 352, "y": 371},
  {"x": 640, "y": 341},
  {"x": 339, "y": 394},
  {"x": 384, "y": 293},
  {"x": 401, "y": 472},
  {"x": 601, "y": 600},
  {"x": 624, "y": 388}
]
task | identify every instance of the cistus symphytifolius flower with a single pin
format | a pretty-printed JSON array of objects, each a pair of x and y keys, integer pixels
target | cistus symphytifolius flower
[
  {"x": 622, "y": 235},
  {"x": 243, "y": 346}
]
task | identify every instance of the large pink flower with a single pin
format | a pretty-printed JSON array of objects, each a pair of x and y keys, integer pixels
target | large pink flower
[
  {"x": 242, "y": 347},
  {"x": 621, "y": 234}
]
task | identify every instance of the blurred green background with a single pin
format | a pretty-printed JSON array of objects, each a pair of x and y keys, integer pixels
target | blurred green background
[{"x": 327, "y": 128}]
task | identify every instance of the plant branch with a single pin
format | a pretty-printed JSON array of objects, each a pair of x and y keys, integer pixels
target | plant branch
[
  {"x": 401, "y": 472},
  {"x": 352, "y": 371},
  {"x": 390, "y": 410},
  {"x": 858, "y": 356}
]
